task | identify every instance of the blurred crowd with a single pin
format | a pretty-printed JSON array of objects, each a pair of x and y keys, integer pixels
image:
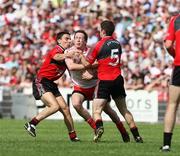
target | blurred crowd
[{"x": 28, "y": 29}]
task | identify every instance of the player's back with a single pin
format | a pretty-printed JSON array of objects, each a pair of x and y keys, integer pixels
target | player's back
[{"x": 109, "y": 58}]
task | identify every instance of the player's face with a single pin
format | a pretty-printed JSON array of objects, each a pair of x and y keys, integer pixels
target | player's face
[
  {"x": 79, "y": 41},
  {"x": 65, "y": 41}
]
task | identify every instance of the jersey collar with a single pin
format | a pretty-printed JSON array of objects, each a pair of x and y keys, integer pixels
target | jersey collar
[
  {"x": 60, "y": 47},
  {"x": 107, "y": 37}
]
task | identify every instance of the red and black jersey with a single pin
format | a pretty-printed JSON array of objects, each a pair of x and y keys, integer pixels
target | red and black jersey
[
  {"x": 107, "y": 52},
  {"x": 173, "y": 34},
  {"x": 52, "y": 69}
]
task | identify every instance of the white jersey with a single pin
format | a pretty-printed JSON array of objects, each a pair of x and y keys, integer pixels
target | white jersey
[{"x": 76, "y": 76}]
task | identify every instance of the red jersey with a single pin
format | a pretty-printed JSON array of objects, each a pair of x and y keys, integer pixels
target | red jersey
[
  {"x": 52, "y": 69},
  {"x": 173, "y": 34},
  {"x": 107, "y": 52}
]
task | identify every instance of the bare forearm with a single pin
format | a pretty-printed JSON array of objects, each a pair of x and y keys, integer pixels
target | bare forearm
[
  {"x": 68, "y": 54},
  {"x": 74, "y": 67},
  {"x": 59, "y": 57}
]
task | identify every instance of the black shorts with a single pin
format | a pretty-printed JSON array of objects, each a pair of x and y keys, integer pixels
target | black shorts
[
  {"x": 107, "y": 88},
  {"x": 41, "y": 86},
  {"x": 175, "y": 78}
]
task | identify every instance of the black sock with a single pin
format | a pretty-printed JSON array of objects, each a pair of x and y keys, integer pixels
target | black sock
[
  {"x": 99, "y": 123},
  {"x": 135, "y": 132},
  {"x": 167, "y": 138}
]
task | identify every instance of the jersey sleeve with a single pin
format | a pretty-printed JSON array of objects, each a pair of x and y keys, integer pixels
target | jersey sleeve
[
  {"x": 171, "y": 32},
  {"x": 53, "y": 52},
  {"x": 92, "y": 55},
  {"x": 56, "y": 50}
]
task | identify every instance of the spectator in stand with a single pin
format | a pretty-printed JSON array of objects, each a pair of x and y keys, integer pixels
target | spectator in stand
[
  {"x": 26, "y": 85},
  {"x": 4, "y": 77},
  {"x": 14, "y": 81}
]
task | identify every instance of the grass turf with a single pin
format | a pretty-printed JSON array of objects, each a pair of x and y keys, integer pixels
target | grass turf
[{"x": 52, "y": 140}]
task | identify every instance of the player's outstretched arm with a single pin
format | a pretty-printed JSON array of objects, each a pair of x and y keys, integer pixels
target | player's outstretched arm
[
  {"x": 69, "y": 54},
  {"x": 72, "y": 66}
]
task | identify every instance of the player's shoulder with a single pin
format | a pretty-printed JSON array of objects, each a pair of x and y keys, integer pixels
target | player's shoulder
[
  {"x": 174, "y": 17},
  {"x": 100, "y": 41},
  {"x": 56, "y": 49}
]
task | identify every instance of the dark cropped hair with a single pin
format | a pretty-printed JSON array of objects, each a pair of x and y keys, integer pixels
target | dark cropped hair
[
  {"x": 83, "y": 32},
  {"x": 108, "y": 27},
  {"x": 60, "y": 34}
]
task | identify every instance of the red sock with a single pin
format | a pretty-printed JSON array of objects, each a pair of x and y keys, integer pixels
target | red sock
[
  {"x": 72, "y": 135},
  {"x": 34, "y": 121},
  {"x": 91, "y": 122},
  {"x": 121, "y": 128}
]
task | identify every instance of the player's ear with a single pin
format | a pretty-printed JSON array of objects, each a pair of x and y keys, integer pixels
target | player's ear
[
  {"x": 103, "y": 32},
  {"x": 59, "y": 41}
]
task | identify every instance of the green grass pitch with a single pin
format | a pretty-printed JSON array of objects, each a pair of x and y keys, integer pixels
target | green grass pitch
[{"x": 52, "y": 140}]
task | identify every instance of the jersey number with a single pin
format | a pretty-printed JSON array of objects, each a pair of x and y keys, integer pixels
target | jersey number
[{"x": 114, "y": 57}]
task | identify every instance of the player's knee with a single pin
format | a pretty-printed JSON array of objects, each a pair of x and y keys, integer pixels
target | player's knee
[
  {"x": 124, "y": 110},
  {"x": 65, "y": 109},
  {"x": 97, "y": 111},
  {"x": 77, "y": 106},
  {"x": 55, "y": 107}
]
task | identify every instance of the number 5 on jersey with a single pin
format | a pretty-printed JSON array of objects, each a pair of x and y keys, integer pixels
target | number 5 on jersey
[{"x": 114, "y": 57}]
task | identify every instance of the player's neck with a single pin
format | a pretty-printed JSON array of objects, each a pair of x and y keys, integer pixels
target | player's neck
[
  {"x": 61, "y": 46},
  {"x": 81, "y": 48}
]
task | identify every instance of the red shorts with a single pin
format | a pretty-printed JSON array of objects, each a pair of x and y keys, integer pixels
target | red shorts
[{"x": 88, "y": 93}]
